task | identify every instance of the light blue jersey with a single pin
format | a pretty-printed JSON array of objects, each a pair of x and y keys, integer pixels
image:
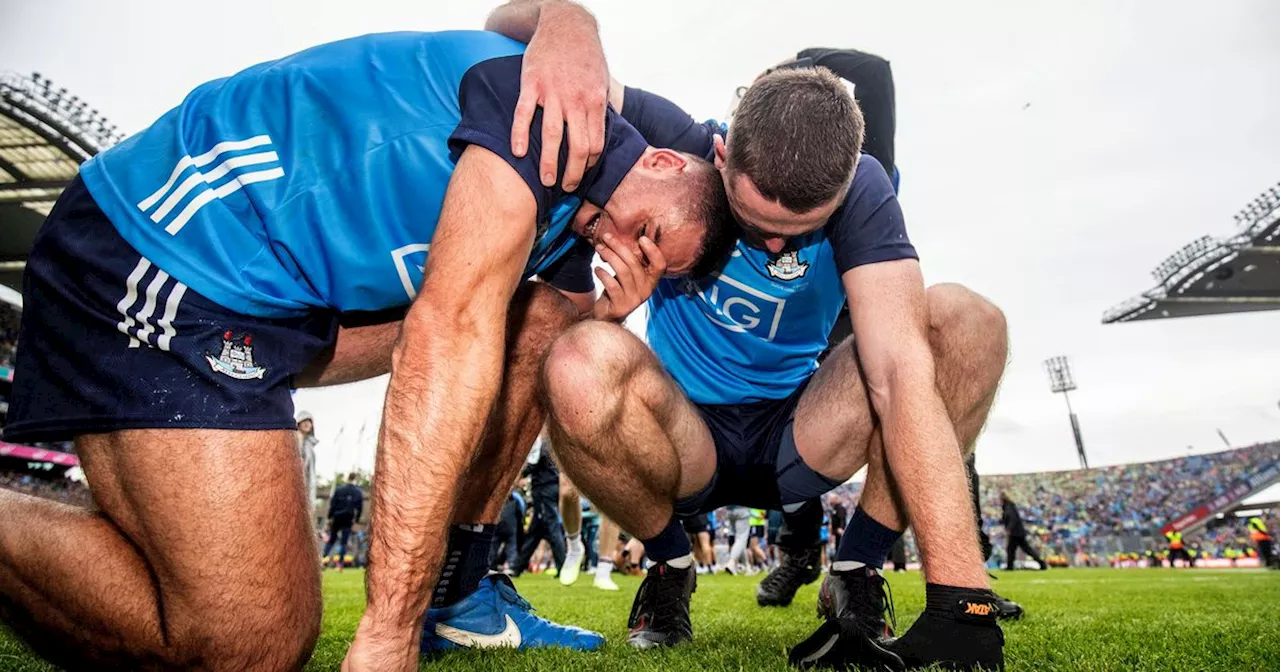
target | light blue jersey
[
  {"x": 316, "y": 181},
  {"x": 755, "y": 330}
]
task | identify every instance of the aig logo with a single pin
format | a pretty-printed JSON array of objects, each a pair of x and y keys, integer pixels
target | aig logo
[{"x": 743, "y": 309}]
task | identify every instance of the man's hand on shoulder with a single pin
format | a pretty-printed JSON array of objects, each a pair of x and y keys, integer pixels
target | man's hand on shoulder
[{"x": 565, "y": 73}]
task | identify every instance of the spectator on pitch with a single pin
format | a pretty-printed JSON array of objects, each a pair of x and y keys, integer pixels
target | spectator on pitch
[
  {"x": 506, "y": 535},
  {"x": 699, "y": 529},
  {"x": 590, "y": 535},
  {"x": 1259, "y": 535},
  {"x": 1178, "y": 549},
  {"x": 345, "y": 507},
  {"x": 1017, "y": 533},
  {"x": 739, "y": 519},
  {"x": 544, "y": 479},
  {"x": 307, "y": 451}
]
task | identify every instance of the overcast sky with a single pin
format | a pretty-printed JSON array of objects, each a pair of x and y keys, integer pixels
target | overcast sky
[{"x": 1052, "y": 154}]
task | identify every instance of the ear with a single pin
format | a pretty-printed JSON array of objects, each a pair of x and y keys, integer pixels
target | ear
[
  {"x": 722, "y": 152},
  {"x": 664, "y": 160}
]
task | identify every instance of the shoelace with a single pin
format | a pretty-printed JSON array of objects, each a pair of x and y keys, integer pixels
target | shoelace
[
  {"x": 886, "y": 600},
  {"x": 510, "y": 596}
]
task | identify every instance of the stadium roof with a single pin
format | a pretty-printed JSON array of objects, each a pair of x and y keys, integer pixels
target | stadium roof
[
  {"x": 45, "y": 134},
  {"x": 1210, "y": 276}
]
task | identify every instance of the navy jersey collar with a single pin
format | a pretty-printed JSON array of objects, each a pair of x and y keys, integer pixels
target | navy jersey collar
[{"x": 623, "y": 147}]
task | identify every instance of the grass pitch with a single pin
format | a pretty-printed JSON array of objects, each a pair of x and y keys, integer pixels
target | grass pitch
[{"x": 1078, "y": 619}]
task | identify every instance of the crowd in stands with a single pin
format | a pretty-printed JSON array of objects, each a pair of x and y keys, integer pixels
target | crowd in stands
[{"x": 1065, "y": 509}]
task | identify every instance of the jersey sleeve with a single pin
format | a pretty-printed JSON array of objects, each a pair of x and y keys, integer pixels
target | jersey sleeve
[
  {"x": 487, "y": 96},
  {"x": 572, "y": 272},
  {"x": 664, "y": 124},
  {"x": 869, "y": 228}
]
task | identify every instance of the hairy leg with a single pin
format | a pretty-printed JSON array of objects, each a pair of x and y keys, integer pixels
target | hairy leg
[
  {"x": 538, "y": 315},
  {"x": 150, "y": 580},
  {"x": 623, "y": 430}
]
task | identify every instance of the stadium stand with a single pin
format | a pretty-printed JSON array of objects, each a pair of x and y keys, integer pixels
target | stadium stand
[
  {"x": 1126, "y": 507},
  {"x": 1210, "y": 276},
  {"x": 45, "y": 134}
]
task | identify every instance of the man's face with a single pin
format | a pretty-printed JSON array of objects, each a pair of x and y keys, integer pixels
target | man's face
[
  {"x": 767, "y": 224},
  {"x": 647, "y": 203}
]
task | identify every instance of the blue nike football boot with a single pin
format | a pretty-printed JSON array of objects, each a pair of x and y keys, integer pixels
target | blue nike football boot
[{"x": 495, "y": 616}]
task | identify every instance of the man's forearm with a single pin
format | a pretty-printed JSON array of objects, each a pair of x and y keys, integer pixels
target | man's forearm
[
  {"x": 441, "y": 392},
  {"x": 924, "y": 457},
  {"x": 520, "y": 19}
]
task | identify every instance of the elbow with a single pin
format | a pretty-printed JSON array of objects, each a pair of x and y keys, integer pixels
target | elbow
[
  {"x": 906, "y": 374},
  {"x": 429, "y": 322}
]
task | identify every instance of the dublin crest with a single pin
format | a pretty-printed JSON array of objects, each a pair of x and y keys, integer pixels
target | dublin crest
[
  {"x": 236, "y": 358},
  {"x": 787, "y": 265}
]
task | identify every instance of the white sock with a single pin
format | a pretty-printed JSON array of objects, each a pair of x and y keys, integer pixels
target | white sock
[
  {"x": 604, "y": 567},
  {"x": 573, "y": 538},
  {"x": 847, "y": 565},
  {"x": 683, "y": 562}
]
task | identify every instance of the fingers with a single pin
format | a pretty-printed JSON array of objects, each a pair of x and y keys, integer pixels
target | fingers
[
  {"x": 657, "y": 263},
  {"x": 622, "y": 261},
  {"x": 552, "y": 132},
  {"x": 610, "y": 285},
  {"x": 525, "y": 107},
  {"x": 579, "y": 149},
  {"x": 595, "y": 130}
]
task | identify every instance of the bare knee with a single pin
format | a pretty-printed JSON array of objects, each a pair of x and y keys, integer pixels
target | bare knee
[
  {"x": 272, "y": 633},
  {"x": 585, "y": 375},
  {"x": 961, "y": 318}
]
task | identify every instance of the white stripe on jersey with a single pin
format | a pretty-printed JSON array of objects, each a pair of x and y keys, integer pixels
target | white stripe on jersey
[
  {"x": 236, "y": 184},
  {"x": 209, "y": 178},
  {"x": 130, "y": 296},
  {"x": 201, "y": 161}
]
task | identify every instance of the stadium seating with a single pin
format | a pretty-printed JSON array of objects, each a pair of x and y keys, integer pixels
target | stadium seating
[{"x": 1085, "y": 509}]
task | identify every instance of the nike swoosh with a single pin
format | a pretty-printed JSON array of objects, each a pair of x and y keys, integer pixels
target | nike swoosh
[{"x": 509, "y": 637}]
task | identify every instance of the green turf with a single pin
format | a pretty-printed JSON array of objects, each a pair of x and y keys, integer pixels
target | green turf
[{"x": 1079, "y": 619}]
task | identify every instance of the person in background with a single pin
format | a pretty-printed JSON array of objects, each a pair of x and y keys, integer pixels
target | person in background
[
  {"x": 699, "y": 529},
  {"x": 1017, "y": 534},
  {"x": 571, "y": 519},
  {"x": 1258, "y": 534},
  {"x": 506, "y": 535},
  {"x": 307, "y": 451},
  {"x": 345, "y": 507},
  {"x": 1177, "y": 549},
  {"x": 544, "y": 478},
  {"x": 590, "y": 535},
  {"x": 755, "y": 554},
  {"x": 739, "y": 519}
]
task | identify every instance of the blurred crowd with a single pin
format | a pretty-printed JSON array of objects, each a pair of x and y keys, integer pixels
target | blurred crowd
[{"x": 1064, "y": 510}]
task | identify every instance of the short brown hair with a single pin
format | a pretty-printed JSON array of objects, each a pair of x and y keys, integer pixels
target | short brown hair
[
  {"x": 712, "y": 208},
  {"x": 797, "y": 135}
]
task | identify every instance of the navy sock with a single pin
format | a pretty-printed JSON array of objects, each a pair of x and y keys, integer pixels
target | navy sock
[
  {"x": 671, "y": 543},
  {"x": 466, "y": 562},
  {"x": 866, "y": 540}
]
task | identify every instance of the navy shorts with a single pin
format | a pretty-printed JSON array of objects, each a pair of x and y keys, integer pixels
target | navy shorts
[
  {"x": 109, "y": 341},
  {"x": 748, "y": 439}
]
